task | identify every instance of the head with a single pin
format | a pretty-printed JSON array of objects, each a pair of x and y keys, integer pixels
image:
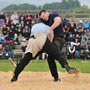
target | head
[{"x": 44, "y": 15}]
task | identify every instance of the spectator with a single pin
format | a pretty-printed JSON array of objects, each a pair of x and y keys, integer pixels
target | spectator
[
  {"x": 86, "y": 51},
  {"x": 29, "y": 18},
  {"x": 70, "y": 39},
  {"x": 26, "y": 34},
  {"x": 35, "y": 19},
  {"x": 11, "y": 44},
  {"x": 16, "y": 42},
  {"x": 71, "y": 50},
  {"x": 4, "y": 30},
  {"x": 8, "y": 51},
  {"x": 24, "y": 45},
  {"x": 88, "y": 35},
  {"x": 7, "y": 23},
  {"x": 14, "y": 17},
  {"x": 20, "y": 38},
  {"x": 84, "y": 37},
  {"x": 85, "y": 25},
  {"x": 80, "y": 24},
  {"x": 83, "y": 43}
]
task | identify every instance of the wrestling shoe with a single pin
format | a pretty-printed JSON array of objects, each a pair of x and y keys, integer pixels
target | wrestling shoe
[
  {"x": 71, "y": 70},
  {"x": 14, "y": 78},
  {"x": 57, "y": 80}
]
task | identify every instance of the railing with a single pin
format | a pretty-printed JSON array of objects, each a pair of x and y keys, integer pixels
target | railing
[{"x": 71, "y": 15}]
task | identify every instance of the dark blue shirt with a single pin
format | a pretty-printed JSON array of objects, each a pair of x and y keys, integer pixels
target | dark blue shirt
[{"x": 58, "y": 31}]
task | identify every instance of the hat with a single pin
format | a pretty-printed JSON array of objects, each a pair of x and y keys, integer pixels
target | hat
[
  {"x": 24, "y": 39},
  {"x": 85, "y": 20},
  {"x": 80, "y": 21}
]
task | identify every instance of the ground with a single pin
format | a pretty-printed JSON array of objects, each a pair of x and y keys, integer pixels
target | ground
[{"x": 44, "y": 81}]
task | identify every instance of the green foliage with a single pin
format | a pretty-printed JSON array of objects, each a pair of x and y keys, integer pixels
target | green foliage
[
  {"x": 65, "y": 4},
  {"x": 21, "y": 7}
]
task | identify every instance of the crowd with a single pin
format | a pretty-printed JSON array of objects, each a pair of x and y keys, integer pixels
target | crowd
[{"x": 16, "y": 29}]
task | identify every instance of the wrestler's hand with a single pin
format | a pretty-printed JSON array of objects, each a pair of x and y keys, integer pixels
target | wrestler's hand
[{"x": 48, "y": 32}]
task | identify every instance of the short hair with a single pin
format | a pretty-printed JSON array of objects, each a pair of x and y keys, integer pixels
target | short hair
[{"x": 41, "y": 12}]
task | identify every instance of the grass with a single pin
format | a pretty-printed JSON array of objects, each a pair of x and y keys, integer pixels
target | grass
[{"x": 42, "y": 66}]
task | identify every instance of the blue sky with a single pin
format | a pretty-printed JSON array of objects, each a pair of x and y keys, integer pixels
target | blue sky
[{"x": 4, "y": 3}]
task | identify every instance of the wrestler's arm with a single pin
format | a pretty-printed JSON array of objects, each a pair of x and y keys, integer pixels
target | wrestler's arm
[{"x": 56, "y": 23}]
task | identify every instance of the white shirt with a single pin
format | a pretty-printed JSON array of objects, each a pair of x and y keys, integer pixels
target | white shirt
[{"x": 40, "y": 27}]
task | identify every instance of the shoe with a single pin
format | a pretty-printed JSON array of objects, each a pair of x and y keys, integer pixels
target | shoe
[
  {"x": 57, "y": 80},
  {"x": 13, "y": 63},
  {"x": 73, "y": 71},
  {"x": 14, "y": 79}
]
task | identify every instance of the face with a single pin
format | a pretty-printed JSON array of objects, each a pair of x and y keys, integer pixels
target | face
[{"x": 44, "y": 16}]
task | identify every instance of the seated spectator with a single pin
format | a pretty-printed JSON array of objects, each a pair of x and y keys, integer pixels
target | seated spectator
[
  {"x": 24, "y": 45},
  {"x": 4, "y": 30},
  {"x": 71, "y": 29},
  {"x": 2, "y": 17},
  {"x": 26, "y": 28},
  {"x": 78, "y": 37},
  {"x": 14, "y": 18},
  {"x": 84, "y": 37},
  {"x": 83, "y": 43},
  {"x": 88, "y": 35},
  {"x": 20, "y": 38},
  {"x": 35, "y": 19},
  {"x": 26, "y": 34},
  {"x": 8, "y": 21},
  {"x": 12, "y": 44},
  {"x": 4, "y": 44},
  {"x": 7, "y": 38},
  {"x": 22, "y": 17},
  {"x": 75, "y": 32},
  {"x": 29, "y": 19},
  {"x": 80, "y": 24},
  {"x": 8, "y": 51},
  {"x": 71, "y": 50},
  {"x": 22, "y": 24},
  {"x": 85, "y": 25},
  {"x": 70, "y": 39},
  {"x": 76, "y": 42},
  {"x": 19, "y": 31},
  {"x": 11, "y": 34},
  {"x": 86, "y": 51},
  {"x": 77, "y": 48},
  {"x": 15, "y": 39},
  {"x": 81, "y": 31},
  {"x": 1, "y": 51}
]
